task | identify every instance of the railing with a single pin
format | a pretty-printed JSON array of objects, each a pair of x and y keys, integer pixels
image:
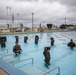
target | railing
[
  {"x": 24, "y": 60},
  {"x": 11, "y": 58},
  {"x": 53, "y": 70},
  {"x": 6, "y": 55},
  {"x": 5, "y": 49}
]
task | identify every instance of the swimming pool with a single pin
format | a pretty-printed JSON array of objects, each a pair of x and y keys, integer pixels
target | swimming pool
[{"x": 61, "y": 55}]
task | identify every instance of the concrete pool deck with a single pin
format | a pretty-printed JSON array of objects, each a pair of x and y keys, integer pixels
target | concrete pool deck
[
  {"x": 9, "y": 69},
  {"x": 52, "y": 30}
]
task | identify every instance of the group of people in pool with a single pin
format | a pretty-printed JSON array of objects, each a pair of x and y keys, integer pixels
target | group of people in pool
[
  {"x": 46, "y": 52},
  {"x": 17, "y": 48}
]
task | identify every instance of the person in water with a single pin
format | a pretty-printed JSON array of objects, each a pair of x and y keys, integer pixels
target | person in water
[
  {"x": 17, "y": 49},
  {"x": 17, "y": 38},
  {"x": 36, "y": 39},
  {"x": 46, "y": 54},
  {"x": 52, "y": 41},
  {"x": 3, "y": 44},
  {"x": 25, "y": 39},
  {"x": 71, "y": 44}
]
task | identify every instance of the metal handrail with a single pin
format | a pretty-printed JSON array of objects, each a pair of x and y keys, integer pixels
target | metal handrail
[
  {"x": 6, "y": 55},
  {"x": 53, "y": 70},
  {"x": 5, "y": 49},
  {"x": 24, "y": 60}
]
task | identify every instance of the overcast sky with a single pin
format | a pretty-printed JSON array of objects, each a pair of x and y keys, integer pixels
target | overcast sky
[{"x": 47, "y": 11}]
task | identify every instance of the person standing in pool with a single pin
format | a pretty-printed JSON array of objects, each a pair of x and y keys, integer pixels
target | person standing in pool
[
  {"x": 17, "y": 38},
  {"x": 3, "y": 43},
  {"x": 36, "y": 39},
  {"x": 17, "y": 49},
  {"x": 46, "y": 54},
  {"x": 71, "y": 44},
  {"x": 52, "y": 41},
  {"x": 25, "y": 39}
]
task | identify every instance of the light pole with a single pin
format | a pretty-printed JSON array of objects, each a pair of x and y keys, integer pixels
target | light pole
[
  {"x": 17, "y": 18},
  {"x": 32, "y": 21},
  {"x": 12, "y": 19},
  {"x": 65, "y": 22},
  {"x": 8, "y": 14}
]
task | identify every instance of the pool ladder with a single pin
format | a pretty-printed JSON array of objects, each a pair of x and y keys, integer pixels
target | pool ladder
[
  {"x": 32, "y": 65},
  {"x": 24, "y": 60},
  {"x": 53, "y": 70},
  {"x": 5, "y": 49}
]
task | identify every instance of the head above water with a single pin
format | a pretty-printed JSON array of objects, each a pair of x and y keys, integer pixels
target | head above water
[
  {"x": 47, "y": 48},
  {"x": 16, "y": 42},
  {"x": 71, "y": 40}
]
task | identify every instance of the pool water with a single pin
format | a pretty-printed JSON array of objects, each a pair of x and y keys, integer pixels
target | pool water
[{"x": 61, "y": 55}]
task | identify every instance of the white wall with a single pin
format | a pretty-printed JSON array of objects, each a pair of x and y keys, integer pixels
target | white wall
[
  {"x": 6, "y": 31},
  {"x": 3, "y": 26}
]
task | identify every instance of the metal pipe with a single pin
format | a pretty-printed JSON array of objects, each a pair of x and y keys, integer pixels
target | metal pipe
[
  {"x": 24, "y": 60},
  {"x": 6, "y": 55},
  {"x": 32, "y": 21},
  {"x": 53, "y": 70}
]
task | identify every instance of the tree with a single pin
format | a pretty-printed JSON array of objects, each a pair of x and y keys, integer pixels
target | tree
[
  {"x": 49, "y": 26},
  {"x": 62, "y": 26}
]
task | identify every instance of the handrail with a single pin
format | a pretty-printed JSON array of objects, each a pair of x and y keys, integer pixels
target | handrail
[
  {"x": 53, "y": 70},
  {"x": 5, "y": 49},
  {"x": 24, "y": 60},
  {"x": 6, "y": 55}
]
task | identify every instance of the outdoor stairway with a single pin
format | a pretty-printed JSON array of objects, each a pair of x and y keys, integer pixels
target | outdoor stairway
[{"x": 34, "y": 71}]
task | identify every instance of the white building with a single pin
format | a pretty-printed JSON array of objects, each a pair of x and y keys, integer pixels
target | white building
[{"x": 3, "y": 28}]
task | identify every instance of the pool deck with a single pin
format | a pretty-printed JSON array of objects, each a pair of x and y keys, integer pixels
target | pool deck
[
  {"x": 9, "y": 70},
  {"x": 52, "y": 30}
]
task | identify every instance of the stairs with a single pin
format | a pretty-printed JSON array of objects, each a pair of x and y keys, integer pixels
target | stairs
[{"x": 34, "y": 71}]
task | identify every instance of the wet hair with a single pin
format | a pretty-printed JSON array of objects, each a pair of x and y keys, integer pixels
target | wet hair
[
  {"x": 71, "y": 40},
  {"x": 48, "y": 48},
  {"x": 45, "y": 48},
  {"x": 16, "y": 42}
]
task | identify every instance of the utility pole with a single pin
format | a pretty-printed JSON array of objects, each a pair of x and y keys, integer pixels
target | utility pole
[
  {"x": 65, "y": 22},
  {"x": 17, "y": 18},
  {"x": 32, "y": 21},
  {"x": 12, "y": 19},
  {"x": 7, "y": 13},
  {"x": 10, "y": 14}
]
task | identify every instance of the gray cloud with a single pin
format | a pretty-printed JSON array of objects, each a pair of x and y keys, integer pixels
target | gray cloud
[
  {"x": 49, "y": 11},
  {"x": 68, "y": 2},
  {"x": 71, "y": 6},
  {"x": 27, "y": 0},
  {"x": 64, "y": 2}
]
